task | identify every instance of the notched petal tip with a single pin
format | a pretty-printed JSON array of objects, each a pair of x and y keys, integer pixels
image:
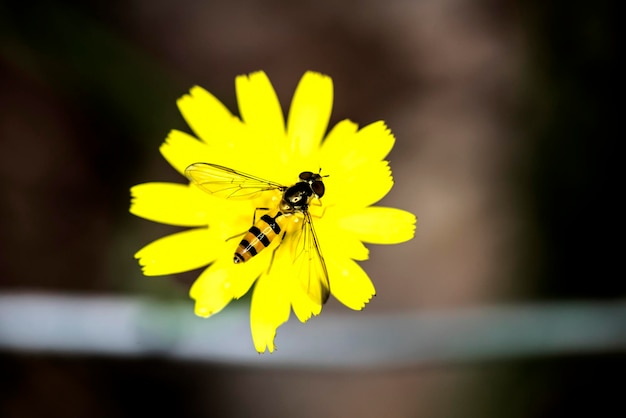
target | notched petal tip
[
  {"x": 219, "y": 284},
  {"x": 169, "y": 203},
  {"x": 202, "y": 311},
  {"x": 197, "y": 91},
  {"x": 258, "y": 74},
  {"x": 347, "y": 148},
  {"x": 377, "y": 139},
  {"x": 181, "y": 149},
  {"x": 350, "y": 284},
  {"x": 366, "y": 301},
  {"x": 269, "y": 350},
  {"x": 205, "y": 114},
  {"x": 265, "y": 343},
  {"x": 269, "y": 309},
  {"x": 179, "y": 252},
  {"x": 384, "y": 225}
]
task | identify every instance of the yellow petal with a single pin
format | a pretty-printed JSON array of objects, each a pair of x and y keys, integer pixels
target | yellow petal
[
  {"x": 309, "y": 113},
  {"x": 349, "y": 283},
  {"x": 180, "y": 252},
  {"x": 222, "y": 282},
  {"x": 375, "y": 140},
  {"x": 358, "y": 186},
  {"x": 170, "y": 203},
  {"x": 380, "y": 225},
  {"x": 211, "y": 292},
  {"x": 303, "y": 306},
  {"x": 287, "y": 268},
  {"x": 181, "y": 150},
  {"x": 350, "y": 148},
  {"x": 337, "y": 242},
  {"x": 270, "y": 308},
  {"x": 206, "y": 115},
  {"x": 259, "y": 107},
  {"x": 339, "y": 139},
  {"x": 339, "y": 143},
  {"x": 244, "y": 274}
]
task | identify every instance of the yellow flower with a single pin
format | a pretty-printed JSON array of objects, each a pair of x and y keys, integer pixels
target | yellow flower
[{"x": 355, "y": 176}]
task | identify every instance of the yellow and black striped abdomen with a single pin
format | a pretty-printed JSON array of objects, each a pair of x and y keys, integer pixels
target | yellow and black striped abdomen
[{"x": 259, "y": 237}]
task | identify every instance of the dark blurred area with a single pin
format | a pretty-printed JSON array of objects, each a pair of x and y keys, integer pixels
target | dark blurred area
[
  {"x": 572, "y": 121},
  {"x": 505, "y": 115}
]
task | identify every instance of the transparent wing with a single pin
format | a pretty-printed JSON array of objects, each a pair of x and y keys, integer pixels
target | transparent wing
[
  {"x": 310, "y": 264},
  {"x": 228, "y": 183}
]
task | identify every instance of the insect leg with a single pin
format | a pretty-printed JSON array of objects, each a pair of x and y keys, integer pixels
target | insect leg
[
  {"x": 274, "y": 252},
  {"x": 254, "y": 215},
  {"x": 253, "y": 223},
  {"x": 235, "y": 236},
  {"x": 317, "y": 203}
]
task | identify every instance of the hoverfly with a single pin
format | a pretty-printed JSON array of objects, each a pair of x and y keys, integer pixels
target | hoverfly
[{"x": 232, "y": 184}]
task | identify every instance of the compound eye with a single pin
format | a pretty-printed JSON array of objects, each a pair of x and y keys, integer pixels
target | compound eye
[
  {"x": 306, "y": 175},
  {"x": 318, "y": 188}
]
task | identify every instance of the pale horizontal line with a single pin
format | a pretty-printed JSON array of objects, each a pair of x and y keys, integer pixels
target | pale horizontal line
[{"x": 126, "y": 326}]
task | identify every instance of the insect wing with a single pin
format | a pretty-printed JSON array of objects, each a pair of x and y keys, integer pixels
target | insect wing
[
  {"x": 310, "y": 264},
  {"x": 228, "y": 183}
]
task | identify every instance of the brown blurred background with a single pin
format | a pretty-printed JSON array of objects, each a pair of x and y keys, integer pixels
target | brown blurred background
[{"x": 505, "y": 114}]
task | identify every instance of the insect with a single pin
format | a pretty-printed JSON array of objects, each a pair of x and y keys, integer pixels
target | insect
[{"x": 232, "y": 184}]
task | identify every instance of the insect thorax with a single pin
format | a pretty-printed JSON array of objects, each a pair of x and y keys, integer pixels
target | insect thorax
[{"x": 297, "y": 197}]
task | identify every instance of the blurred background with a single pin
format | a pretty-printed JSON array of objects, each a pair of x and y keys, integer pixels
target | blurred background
[{"x": 505, "y": 114}]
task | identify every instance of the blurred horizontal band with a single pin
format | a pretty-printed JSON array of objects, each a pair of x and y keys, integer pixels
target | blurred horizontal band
[{"x": 125, "y": 326}]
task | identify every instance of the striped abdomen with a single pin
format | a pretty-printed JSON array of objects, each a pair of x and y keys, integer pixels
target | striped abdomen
[{"x": 259, "y": 236}]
